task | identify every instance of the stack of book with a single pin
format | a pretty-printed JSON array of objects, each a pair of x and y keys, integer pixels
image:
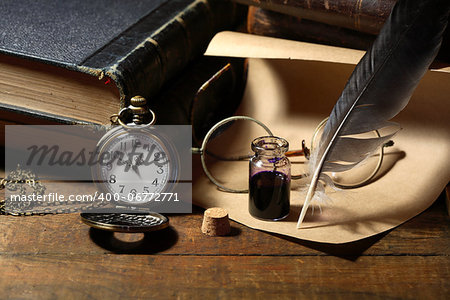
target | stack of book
[
  {"x": 345, "y": 23},
  {"x": 81, "y": 61}
]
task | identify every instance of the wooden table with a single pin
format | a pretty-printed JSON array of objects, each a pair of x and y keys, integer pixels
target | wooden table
[{"x": 56, "y": 256}]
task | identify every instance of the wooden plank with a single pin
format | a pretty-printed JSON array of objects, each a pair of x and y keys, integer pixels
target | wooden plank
[
  {"x": 427, "y": 234},
  {"x": 223, "y": 277}
]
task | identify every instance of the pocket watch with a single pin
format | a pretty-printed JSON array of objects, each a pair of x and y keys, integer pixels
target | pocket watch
[{"x": 136, "y": 163}]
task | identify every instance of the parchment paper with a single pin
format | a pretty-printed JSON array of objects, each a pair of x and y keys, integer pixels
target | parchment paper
[{"x": 291, "y": 96}]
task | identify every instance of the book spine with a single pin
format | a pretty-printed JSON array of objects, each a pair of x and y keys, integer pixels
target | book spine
[
  {"x": 269, "y": 23},
  {"x": 362, "y": 16},
  {"x": 162, "y": 54}
]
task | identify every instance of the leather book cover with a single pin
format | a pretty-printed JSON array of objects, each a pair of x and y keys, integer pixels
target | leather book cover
[
  {"x": 270, "y": 23},
  {"x": 363, "y": 16},
  {"x": 135, "y": 46},
  {"x": 208, "y": 90}
]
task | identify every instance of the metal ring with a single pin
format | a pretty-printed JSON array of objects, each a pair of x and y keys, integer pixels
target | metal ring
[
  {"x": 362, "y": 182},
  {"x": 206, "y": 139}
]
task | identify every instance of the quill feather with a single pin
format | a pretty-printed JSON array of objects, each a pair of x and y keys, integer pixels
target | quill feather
[{"x": 379, "y": 88}]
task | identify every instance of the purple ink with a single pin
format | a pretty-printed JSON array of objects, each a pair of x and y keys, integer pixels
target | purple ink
[{"x": 269, "y": 195}]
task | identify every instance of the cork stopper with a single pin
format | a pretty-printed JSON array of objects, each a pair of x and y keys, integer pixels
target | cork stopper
[{"x": 216, "y": 222}]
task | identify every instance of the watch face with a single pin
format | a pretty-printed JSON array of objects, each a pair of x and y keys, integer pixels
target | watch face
[{"x": 134, "y": 166}]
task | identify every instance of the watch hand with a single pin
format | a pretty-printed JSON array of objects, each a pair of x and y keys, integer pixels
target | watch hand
[
  {"x": 136, "y": 170},
  {"x": 135, "y": 166},
  {"x": 127, "y": 164}
]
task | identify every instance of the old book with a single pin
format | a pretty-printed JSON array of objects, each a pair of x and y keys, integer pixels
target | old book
[
  {"x": 206, "y": 91},
  {"x": 270, "y": 23},
  {"x": 363, "y": 16},
  {"x": 81, "y": 61}
]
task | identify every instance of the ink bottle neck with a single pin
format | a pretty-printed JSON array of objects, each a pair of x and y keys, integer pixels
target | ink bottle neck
[
  {"x": 270, "y": 151},
  {"x": 270, "y": 146},
  {"x": 270, "y": 155}
]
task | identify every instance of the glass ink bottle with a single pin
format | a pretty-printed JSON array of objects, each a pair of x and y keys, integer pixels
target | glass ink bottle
[{"x": 270, "y": 179}]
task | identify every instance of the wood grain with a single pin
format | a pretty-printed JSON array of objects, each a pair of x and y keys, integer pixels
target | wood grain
[
  {"x": 56, "y": 256},
  {"x": 427, "y": 234},
  {"x": 113, "y": 277}
]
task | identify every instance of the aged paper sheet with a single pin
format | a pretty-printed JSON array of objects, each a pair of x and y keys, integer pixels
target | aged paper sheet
[{"x": 291, "y": 96}]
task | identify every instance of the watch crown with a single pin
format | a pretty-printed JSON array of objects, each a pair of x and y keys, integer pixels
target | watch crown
[
  {"x": 139, "y": 110},
  {"x": 138, "y": 101}
]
